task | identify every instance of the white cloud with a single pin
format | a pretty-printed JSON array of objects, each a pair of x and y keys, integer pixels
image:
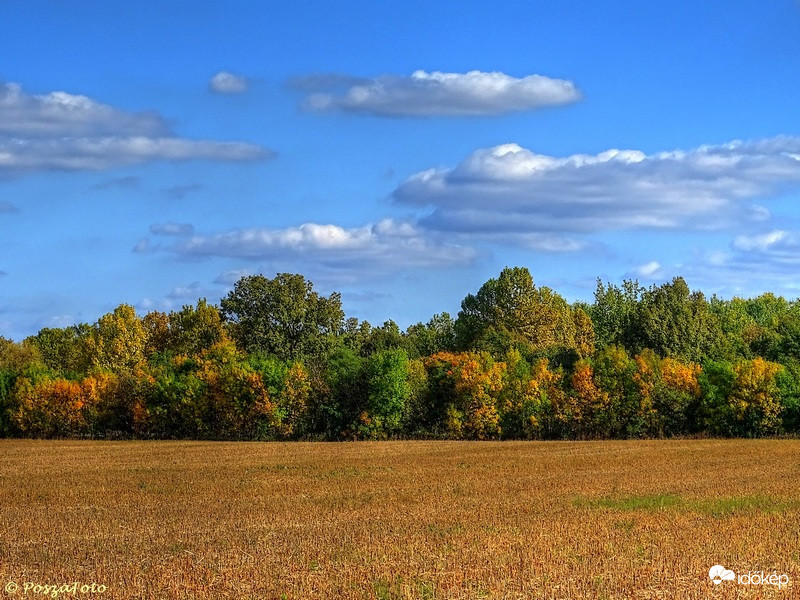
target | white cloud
[
  {"x": 61, "y": 131},
  {"x": 60, "y": 321},
  {"x": 509, "y": 191},
  {"x": 60, "y": 114},
  {"x": 752, "y": 264},
  {"x": 185, "y": 292},
  {"x": 426, "y": 94},
  {"x": 225, "y": 82},
  {"x": 382, "y": 247},
  {"x": 95, "y": 154},
  {"x": 178, "y": 297},
  {"x": 648, "y": 269},
  {"x": 760, "y": 213},
  {"x": 761, "y": 242},
  {"x": 768, "y": 252},
  {"x": 230, "y": 277},
  {"x": 172, "y": 228}
]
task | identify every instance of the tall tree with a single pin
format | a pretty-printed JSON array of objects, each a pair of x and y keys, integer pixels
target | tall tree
[
  {"x": 437, "y": 335},
  {"x": 64, "y": 350},
  {"x": 613, "y": 313},
  {"x": 118, "y": 341},
  {"x": 282, "y": 316},
  {"x": 510, "y": 310},
  {"x": 674, "y": 321},
  {"x": 192, "y": 330}
]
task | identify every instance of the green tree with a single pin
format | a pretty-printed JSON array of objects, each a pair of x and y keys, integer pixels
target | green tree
[
  {"x": 354, "y": 334},
  {"x": 788, "y": 380},
  {"x": 64, "y": 350},
  {"x": 339, "y": 407},
  {"x": 282, "y": 316},
  {"x": 613, "y": 314},
  {"x": 195, "y": 329},
  {"x": 19, "y": 357},
  {"x": 388, "y": 392},
  {"x": 511, "y": 310},
  {"x": 526, "y": 398},
  {"x": 717, "y": 380},
  {"x": 437, "y": 335},
  {"x": 673, "y": 321},
  {"x": 386, "y": 337}
]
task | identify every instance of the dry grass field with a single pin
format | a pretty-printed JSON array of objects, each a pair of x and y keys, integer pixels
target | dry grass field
[{"x": 639, "y": 519}]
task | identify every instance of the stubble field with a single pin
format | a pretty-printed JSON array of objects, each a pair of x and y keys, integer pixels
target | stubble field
[{"x": 382, "y": 520}]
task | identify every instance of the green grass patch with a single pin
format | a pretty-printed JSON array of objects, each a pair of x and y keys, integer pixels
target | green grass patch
[
  {"x": 716, "y": 507},
  {"x": 721, "y": 507},
  {"x": 625, "y": 503}
]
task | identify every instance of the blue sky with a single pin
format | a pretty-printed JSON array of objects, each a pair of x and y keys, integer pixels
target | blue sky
[{"x": 400, "y": 153}]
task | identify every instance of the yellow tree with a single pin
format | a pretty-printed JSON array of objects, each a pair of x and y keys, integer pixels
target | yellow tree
[
  {"x": 292, "y": 402},
  {"x": 755, "y": 399},
  {"x": 118, "y": 341},
  {"x": 584, "y": 333}
]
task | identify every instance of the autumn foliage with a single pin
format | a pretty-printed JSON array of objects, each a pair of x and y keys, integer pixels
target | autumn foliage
[{"x": 278, "y": 361}]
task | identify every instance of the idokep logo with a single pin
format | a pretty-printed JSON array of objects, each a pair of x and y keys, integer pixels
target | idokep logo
[{"x": 718, "y": 574}]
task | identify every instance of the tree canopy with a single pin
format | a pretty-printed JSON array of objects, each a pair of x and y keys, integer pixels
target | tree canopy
[
  {"x": 282, "y": 316},
  {"x": 277, "y": 360}
]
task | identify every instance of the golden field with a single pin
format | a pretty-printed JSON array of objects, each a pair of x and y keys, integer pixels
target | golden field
[{"x": 625, "y": 519}]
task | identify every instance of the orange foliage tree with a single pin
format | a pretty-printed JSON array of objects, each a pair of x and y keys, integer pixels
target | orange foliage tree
[{"x": 469, "y": 384}]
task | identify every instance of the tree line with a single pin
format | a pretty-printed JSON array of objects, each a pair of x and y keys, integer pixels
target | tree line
[{"x": 277, "y": 360}]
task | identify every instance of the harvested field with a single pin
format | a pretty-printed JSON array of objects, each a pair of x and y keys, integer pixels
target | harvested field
[{"x": 639, "y": 519}]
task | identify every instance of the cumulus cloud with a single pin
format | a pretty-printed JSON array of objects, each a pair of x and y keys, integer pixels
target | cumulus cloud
[
  {"x": 752, "y": 263},
  {"x": 60, "y": 114},
  {"x": 649, "y": 269},
  {"x": 765, "y": 254},
  {"x": 61, "y": 131},
  {"x": 511, "y": 191},
  {"x": 383, "y": 247},
  {"x": 225, "y": 82},
  {"x": 172, "y": 228},
  {"x": 433, "y": 94}
]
